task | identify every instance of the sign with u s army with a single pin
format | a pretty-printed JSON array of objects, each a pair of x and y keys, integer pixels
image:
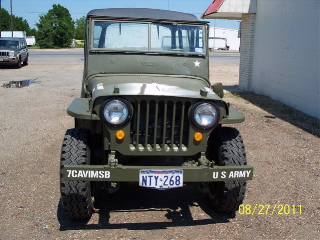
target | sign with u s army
[
  {"x": 134, "y": 174},
  {"x": 232, "y": 175}
]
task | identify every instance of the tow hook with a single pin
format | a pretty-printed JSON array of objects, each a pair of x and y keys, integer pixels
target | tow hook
[
  {"x": 112, "y": 187},
  {"x": 203, "y": 187}
]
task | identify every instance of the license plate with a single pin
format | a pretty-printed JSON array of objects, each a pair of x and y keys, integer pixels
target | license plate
[{"x": 161, "y": 179}]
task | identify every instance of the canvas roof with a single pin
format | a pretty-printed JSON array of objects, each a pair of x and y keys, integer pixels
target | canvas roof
[{"x": 143, "y": 13}]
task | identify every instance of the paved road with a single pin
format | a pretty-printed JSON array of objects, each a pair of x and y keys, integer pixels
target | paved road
[
  {"x": 74, "y": 55},
  {"x": 225, "y": 58},
  {"x": 60, "y": 55},
  {"x": 56, "y": 52}
]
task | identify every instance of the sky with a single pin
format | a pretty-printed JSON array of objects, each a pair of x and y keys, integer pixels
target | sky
[{"x": 31, "y": 9}]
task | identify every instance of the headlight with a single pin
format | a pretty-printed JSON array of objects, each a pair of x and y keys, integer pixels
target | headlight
[
  {"x": 11, "y": 54},
  {"x": 205, "y": 115},
  {"x": 115, "y": 112}
]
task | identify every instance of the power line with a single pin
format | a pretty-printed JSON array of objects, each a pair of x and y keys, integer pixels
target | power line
[{"x": 45, "y": 12}]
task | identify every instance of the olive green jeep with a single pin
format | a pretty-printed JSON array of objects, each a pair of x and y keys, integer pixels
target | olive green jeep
[{"x": 148, "y": 113}]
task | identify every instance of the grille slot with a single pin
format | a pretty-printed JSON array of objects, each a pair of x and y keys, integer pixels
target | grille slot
[
  {"x": 160, "y": 125},
  {"x": 4, "y": 54}
]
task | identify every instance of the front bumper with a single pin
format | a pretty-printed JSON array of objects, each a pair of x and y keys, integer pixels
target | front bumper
[
  {"x": 121, "y": 173},
  {"x": 8, "y": 60}
]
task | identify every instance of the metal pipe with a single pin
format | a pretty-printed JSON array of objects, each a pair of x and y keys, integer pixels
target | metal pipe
[
  {"x": 173, "y": 123},
  {"x": 164, "y": 126},
  {"x": 0, "y": 17},
  {"x": 138, "y": 127},
  {"x": 147, "y": 126},
  {"x": 155, "y": 126},
  {"x": 181, "y": 125},
  {"x": 11, "y": 24}
]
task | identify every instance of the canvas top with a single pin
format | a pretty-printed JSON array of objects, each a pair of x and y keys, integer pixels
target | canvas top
[{"x": 143, "y": 13}]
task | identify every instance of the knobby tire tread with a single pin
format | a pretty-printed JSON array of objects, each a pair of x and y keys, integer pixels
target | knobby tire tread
[
  {"x": 76, "y": 195},
  {"x": 229, "y": 149}
]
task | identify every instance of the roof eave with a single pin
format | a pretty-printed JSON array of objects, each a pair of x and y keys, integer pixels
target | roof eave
[
  {"x": 147, "y": 19},
  {"x": 213, "y": 8},
  {"x": 222, "y": 15}
]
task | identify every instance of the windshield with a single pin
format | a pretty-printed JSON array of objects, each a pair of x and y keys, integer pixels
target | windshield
[
  {"x": 148, "y": 37},
  {"x": 9, "y": 44}
]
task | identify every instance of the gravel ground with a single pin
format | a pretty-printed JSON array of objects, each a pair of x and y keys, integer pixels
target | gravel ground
[{"x": 281, "y": 143}]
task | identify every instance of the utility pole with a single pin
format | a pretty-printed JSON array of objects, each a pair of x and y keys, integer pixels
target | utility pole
[
  {"x": 0, "y": 17},
  {"x": 214, "y": 34},
  {"x": 11, "y": 19}
]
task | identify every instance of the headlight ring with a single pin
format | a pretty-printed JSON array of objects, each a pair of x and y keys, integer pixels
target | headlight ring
[
  {"x": 204, "y": 115},
  {"x": 115, "y": 112}
]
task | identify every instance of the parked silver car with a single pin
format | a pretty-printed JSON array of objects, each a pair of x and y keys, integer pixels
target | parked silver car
[{"x": 13, "y": 51}]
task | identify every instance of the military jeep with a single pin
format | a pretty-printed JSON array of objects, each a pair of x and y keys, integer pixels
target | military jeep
[{"x": 148, "y": 113}]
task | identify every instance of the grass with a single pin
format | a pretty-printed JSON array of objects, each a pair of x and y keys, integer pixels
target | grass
[{"x": 33, "y": 47}]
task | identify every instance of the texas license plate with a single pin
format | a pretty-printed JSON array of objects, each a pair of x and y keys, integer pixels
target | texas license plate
[{"x": 161, "y": 179}]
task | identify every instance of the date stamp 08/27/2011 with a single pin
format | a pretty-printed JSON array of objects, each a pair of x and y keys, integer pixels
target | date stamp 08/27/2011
[{"x": 270, "y": 209}]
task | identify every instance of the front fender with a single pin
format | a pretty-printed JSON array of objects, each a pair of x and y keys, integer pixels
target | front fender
[
  {"x": 80, "y": 108},
  {"x": 234, "y": 116}
]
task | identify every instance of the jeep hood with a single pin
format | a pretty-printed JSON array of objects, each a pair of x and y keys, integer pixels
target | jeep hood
[{"x": 102, "y": 85}]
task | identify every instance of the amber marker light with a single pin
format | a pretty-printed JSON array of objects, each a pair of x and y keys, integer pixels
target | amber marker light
[
  {"x": 120, "y": 135},
  {"x": 197, "y": 136}
]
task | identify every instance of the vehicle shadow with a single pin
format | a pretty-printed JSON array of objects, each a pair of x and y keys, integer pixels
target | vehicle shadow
[
  {"x": 132, "y": 200},
  {"x": 2, "y": 67},
  {"x": 279, "y": 110}
]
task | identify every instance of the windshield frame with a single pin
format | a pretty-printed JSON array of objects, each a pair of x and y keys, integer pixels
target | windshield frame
[
  {"x": 149, "y": 51},
  {"x": 16, "y": 47}
]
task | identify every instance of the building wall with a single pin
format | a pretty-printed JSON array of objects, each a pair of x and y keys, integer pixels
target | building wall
[
  {"x": 246, "y": 51},
  {"x": 286, "y": 53}
]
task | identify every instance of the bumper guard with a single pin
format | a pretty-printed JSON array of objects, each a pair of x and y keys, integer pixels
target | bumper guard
[{"x": 122, "y": 173}]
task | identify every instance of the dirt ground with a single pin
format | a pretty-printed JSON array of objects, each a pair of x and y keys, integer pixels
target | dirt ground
[{"x": 281, "y": 143}]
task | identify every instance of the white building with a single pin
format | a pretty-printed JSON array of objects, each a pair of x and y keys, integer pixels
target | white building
[
  {"x": 231, "y": 35},
  {"x": 280, "y": 48},
  {"x": 19, "y": 34},
  {"x": 31, "y": 40}
]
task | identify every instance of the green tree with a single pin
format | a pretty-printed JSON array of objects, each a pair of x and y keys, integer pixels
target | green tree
[
  {"x": 19, "y": 24},
  {"x": 80, "y": 28},
  {"x": 56, "y": 28},
  {"x": 5, "y": 20},
  {"x": 33, "y": 32}
]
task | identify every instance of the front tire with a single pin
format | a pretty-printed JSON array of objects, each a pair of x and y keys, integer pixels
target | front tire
[
  {"x": 227, "y": 147},
  {"x": 26, "y": 61},
  {"x": 76, "y": 196},
  {"x": 18, "y": 65}
]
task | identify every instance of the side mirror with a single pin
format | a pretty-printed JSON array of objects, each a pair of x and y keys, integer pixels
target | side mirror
[{"x": 218, "y": 89}]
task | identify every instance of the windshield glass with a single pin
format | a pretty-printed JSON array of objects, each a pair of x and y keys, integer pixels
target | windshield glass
[
  {"x": 9, "y": 44},
  {"x": 148, "y": 37},
  {"x": 182, "y": 38}
]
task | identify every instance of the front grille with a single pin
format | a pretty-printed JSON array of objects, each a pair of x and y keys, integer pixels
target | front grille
[
  {"x": 4, "y": 54},
  {"x": 160, "y": 126}
]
